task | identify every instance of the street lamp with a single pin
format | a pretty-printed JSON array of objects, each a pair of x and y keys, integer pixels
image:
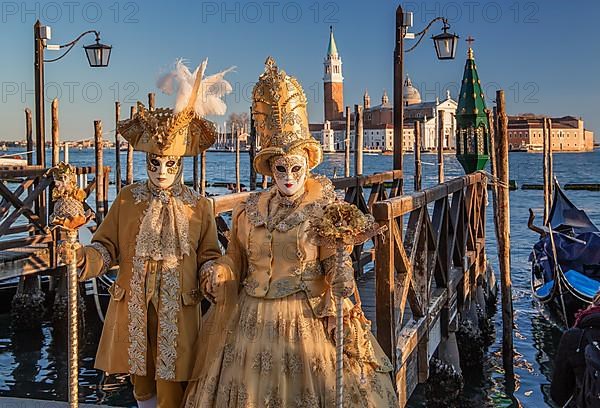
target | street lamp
[
  {"x": 445, "y": 47},
  {"x": 98, "y": 55},
  {"x": 445, "y": 43}
]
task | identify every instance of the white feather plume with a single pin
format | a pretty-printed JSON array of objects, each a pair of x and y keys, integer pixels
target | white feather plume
[{"x": 212, "y": 89}]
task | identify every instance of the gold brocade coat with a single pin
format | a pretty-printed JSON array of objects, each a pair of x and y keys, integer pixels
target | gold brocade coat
[{"x": 115, "y": 243}]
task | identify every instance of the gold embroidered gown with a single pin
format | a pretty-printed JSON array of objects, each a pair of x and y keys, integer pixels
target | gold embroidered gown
[{"x": 274, "y": 350}]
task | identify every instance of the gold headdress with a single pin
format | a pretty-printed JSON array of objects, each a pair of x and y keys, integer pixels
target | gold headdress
[
  {"x": 279, "y": 111},
  {"x": 179, "y": 131}
]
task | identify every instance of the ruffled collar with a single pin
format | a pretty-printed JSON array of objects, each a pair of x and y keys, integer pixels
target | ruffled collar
[
  {"x": 319, "y": 191},
  {"x": 144, "y": 191}
]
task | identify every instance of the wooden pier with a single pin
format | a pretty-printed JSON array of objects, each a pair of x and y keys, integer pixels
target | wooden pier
[{"x": 27, "y": 243}]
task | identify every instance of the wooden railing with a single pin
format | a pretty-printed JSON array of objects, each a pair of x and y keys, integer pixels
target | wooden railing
[
  {"x": 380, "y": 186},
  {"x": 25, "y": 210},
  {"x": 427, "y": 265}
]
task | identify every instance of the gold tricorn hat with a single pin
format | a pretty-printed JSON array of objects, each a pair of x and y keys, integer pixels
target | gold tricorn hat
[
  {"x": 163, "y": 132},
  {"x": 279, "y": 112}
]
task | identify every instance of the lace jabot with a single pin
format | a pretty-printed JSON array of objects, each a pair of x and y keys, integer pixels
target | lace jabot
[{"x": 164, "y": 229}]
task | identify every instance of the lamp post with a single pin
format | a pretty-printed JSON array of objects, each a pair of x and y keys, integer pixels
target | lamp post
[
  {"x": 98, "y": 55},
  {"x": 445, "y": 48}
]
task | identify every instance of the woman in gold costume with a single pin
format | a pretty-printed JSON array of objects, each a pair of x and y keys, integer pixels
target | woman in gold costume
[{"x": 271, "y": 338}]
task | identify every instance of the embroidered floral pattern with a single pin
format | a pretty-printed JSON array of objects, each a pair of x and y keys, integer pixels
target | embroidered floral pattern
[
  {"x": 292, "y": 364},
  {"x": 248, "y": 325},
  {"x": 273, "y": 399},
  {"x": 307, "y": 399},
  {"x": 104, "y": 254},
  {"x": 228, "y": 355},
  {"x": 167, "y": 322},
  {"x": 263, "y": 362},
  {"x": 137, "y": 320}
]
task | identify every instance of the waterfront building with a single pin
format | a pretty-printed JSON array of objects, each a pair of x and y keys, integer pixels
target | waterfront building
[{"x": 525, "y": 133}]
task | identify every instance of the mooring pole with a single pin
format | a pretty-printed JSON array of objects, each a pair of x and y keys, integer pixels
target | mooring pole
[
  {"x": 55, "y": 133},
  {"x": 29, "y": 136},
  {"x": 550, "y": 167},
  {"x": 129, "y": 175},
  {"x": 99, "y": 172},
  {"x": 203, "y": 173},
  {"x": 347, "y": 144},
  {"x": 493, "y": 167},
  {"x": 504, "y": 238},
  {"x": 545, "y": 141},
  {"x": 417, "y": 180},
  {"x": 117, "y": 148},
  {"x": 238, "y": 187},
  {"x": 358, "y": 140},
  {"x": 196, "y": 174},
  {"x": 440, "y": 152},
  {"x": 252, "y": 152}
]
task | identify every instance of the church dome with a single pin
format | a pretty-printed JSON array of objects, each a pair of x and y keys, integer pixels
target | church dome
[{"x": 411, "y": 94}]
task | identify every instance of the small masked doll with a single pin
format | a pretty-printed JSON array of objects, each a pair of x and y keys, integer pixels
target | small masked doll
[
  {"x": 275, "y": 287},
  {"x": 159, "y": 232}
]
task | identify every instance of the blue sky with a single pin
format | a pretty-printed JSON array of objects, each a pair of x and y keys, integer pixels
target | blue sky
[{"x": 544, "y": 54}]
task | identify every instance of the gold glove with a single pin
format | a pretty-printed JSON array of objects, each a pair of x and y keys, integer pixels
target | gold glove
[
  {"x": 342, "y": 282},
  {"x": 65, "y": 253},
  {"x": 212, "y": 279}
]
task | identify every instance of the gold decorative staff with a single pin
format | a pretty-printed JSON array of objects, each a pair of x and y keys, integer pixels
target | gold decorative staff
[
  {"x": 342, "y": 225},
  {"x": 69, "y": 215}
]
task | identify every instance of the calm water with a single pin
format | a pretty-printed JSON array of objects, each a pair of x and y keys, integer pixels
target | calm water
[{"x": 34, "y": 364}]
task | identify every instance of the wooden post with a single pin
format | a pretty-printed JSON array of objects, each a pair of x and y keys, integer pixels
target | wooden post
[
  {"x": 196, "y": 175},
  {"x": 117, "y": 148},
  {"x": 203, "y": 173},
  {"x": 494, "y": 167},
  {"x": 545, "y": 170},
  {"x": 399, "y": 92},
  {"x": 504, "y": 236},
  {"x": 29, "y": 136},
  {"x": 440, "y": 152},
  {"x": 358, "y": 140},
  {"x": 66, "y": 152},
  {"x": 550, "y": 167},
  {"x": 55, "y": 138},
  {"x": 237, "y": 158},
  {"x": 417, "y": 180},
  {"x": 99, "y": 172},
  {"x": 129, "y": 175},
  {"x": 151, "y": 100},
  {"x": 347, "y": 144},
  {"x": 252, "y": 152}
]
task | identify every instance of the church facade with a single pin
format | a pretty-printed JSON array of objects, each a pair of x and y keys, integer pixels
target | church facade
[{"x": 378, "y": 120}]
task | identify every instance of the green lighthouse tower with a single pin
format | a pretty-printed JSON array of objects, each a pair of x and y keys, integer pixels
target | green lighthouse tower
[{"x": 472, "y": 125}]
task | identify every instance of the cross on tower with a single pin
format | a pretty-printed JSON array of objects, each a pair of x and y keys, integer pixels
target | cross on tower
[{"x": 470, "y": 40}]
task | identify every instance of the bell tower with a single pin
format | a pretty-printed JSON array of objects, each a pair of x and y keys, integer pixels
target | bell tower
[{"x": 333, "y": 82}]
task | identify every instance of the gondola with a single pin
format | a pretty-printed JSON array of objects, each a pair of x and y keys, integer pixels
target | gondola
[{"x": 565, "y": 262}]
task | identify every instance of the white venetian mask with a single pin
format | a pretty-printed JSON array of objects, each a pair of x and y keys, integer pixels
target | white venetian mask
[
  {"x": 163, "y": 171},
  {"x": 289, "y": 173}
]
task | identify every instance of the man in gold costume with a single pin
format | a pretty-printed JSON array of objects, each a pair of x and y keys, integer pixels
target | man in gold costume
[
  {"x": 159, "y": 232},
  {"x": 274, "y": 287}
]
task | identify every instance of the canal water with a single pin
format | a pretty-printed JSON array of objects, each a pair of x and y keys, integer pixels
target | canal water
[{"x": 33, "y": 364}]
